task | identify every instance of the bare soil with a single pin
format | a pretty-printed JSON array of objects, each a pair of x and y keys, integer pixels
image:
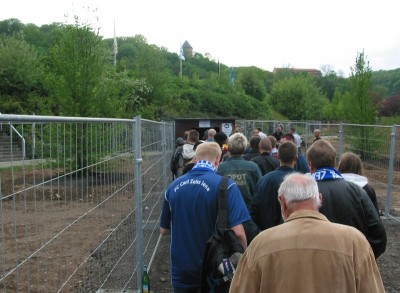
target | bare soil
[{"x": 389, "y": 262}]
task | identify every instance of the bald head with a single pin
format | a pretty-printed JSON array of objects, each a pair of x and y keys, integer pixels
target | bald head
[
  {"x": 211, "y": 133},
  {"x": 317, "y": 133}
]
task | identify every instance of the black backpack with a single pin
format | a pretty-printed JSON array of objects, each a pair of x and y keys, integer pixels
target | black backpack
[
  {"x": 223, "y": 250},
  {"x": 178, "y": 163}
]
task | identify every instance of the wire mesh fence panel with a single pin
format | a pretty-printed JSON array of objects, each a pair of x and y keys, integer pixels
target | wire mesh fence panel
[
  {"x": 376, "y": 145},
  {"x": 330, "y": 132},
  {"x": 155, "y": 169},
  {"x": 373, "y": 145},
  {"x": 394, "y": 203},
  {"x": 67, "y": 205},
  {"x": 72, "y": 191}
]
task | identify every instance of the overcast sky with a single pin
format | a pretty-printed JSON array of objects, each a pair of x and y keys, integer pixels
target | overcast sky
[{"x": 262, "y": 33}]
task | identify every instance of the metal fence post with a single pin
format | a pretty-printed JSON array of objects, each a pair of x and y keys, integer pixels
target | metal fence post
[
  {"x": 307, "y": 135},
  {"x": 138, "y": 201},
  {"x": 164, "y": 151},
  {"x": 391, "y": 170},
  {"x": 340, "y": 140}
]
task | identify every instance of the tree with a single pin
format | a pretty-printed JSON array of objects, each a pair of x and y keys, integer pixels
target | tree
[
  {"x": 77, "y": 67},
  {"x": 11, "y": 26},
  {"x": 327, "y": 70},
  {"x": 20, "y": 74},
  {"x": 390, "y": 106},
  {"x": 362, "y": 109},
  {"x": 298, "y": 98},
  {"x": 251, "y": 80}
]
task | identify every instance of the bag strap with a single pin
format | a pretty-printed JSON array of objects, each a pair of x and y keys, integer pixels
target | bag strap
[{"x": 222, "y": 218}]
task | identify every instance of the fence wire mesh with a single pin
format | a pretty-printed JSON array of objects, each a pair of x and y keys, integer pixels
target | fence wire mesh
[
  {"x": 67, "y": 208},
  {"x": 378, "y": 146},
  {"x": 80, "y": 199}
]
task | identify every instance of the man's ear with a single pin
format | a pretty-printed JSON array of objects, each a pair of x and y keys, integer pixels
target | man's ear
[
  {"x": 312, "y": 168},
  {"x": 282, "y": 201},
  {"x": 216, "y": 162}
]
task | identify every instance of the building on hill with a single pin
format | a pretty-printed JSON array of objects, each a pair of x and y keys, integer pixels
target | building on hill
[
  {"x": 315, "y": 72},
  {"x": 187, "y": 50}
]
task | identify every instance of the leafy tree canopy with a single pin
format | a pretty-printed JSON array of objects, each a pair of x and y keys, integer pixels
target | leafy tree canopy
[{"x": 61, "y": 69}]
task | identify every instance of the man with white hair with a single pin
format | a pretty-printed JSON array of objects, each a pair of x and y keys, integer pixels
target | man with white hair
[{"x": 307, "y": 253}]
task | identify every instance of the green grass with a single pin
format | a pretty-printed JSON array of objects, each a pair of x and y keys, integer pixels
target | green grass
[
  {"x": 389, "y": 120},
  {"x": 278, "y": 116}
]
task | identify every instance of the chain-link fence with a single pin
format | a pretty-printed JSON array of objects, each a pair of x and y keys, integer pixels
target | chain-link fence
[
  {"x": 81, "y": 198},
  {"x": 80, "y": 201},
  {"x": 378, "y": 146}
]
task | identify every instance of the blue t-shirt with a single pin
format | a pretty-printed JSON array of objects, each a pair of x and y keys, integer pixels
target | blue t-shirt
[{"x": 190, "y": 212}]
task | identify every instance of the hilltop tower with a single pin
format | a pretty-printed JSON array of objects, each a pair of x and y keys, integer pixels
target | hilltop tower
[{"x": 187, "y": 50}]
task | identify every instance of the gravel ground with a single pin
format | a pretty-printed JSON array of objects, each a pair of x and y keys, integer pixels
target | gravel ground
[{"x": 388, "y": 263}]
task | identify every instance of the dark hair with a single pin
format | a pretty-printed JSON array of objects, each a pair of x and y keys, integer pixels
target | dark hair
[
  {"x": 255, "y": 142},
  {"x": 193, "y": 135},
  {"x": 287, "y": 152},
  {"x": 220, "y": 138},
  {"x": 289, "y": 137},
  {"x": 180, "y": 141},
  {"x": 196, "y": 144}
]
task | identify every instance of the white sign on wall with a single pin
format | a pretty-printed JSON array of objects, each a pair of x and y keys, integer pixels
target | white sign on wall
[
  {"x": 204, "y": 123},
  {"x": 226, "y": 128}
]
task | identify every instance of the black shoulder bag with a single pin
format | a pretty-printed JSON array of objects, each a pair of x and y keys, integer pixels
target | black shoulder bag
[{"x": 223, "y": 250}]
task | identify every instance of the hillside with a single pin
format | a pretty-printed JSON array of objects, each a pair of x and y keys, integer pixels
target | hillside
[{"x": 69, "y": 70}]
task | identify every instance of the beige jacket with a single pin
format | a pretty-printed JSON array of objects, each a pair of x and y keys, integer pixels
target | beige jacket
[{"x": 308, "y": 254}]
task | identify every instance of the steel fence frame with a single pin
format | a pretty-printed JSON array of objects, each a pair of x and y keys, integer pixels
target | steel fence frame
[
  {"x": 79, "y": 210},
  {"x": 81, "y": 198},
  {"x": 378, "y": 146}
]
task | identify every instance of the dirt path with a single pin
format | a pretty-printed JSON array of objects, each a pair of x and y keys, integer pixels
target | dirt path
[{"x": 388, "y": 263}]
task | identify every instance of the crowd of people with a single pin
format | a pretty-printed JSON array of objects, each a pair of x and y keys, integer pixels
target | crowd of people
[{"x": 307, "y": 224}]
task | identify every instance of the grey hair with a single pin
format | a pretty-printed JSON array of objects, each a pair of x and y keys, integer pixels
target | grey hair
[
  {"x": 298, "y": 187},
  {"x": 237, "y": 144}
]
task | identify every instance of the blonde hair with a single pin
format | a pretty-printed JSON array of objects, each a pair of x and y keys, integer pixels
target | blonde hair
[
  {"x": 209, "y": 151},
  {"x": 237, "y": 144}
]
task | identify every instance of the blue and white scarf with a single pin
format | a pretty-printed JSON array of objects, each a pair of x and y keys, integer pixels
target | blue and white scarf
[
  {"x": 326, "y": 174},
  {"x": 204, "y": 164}
]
